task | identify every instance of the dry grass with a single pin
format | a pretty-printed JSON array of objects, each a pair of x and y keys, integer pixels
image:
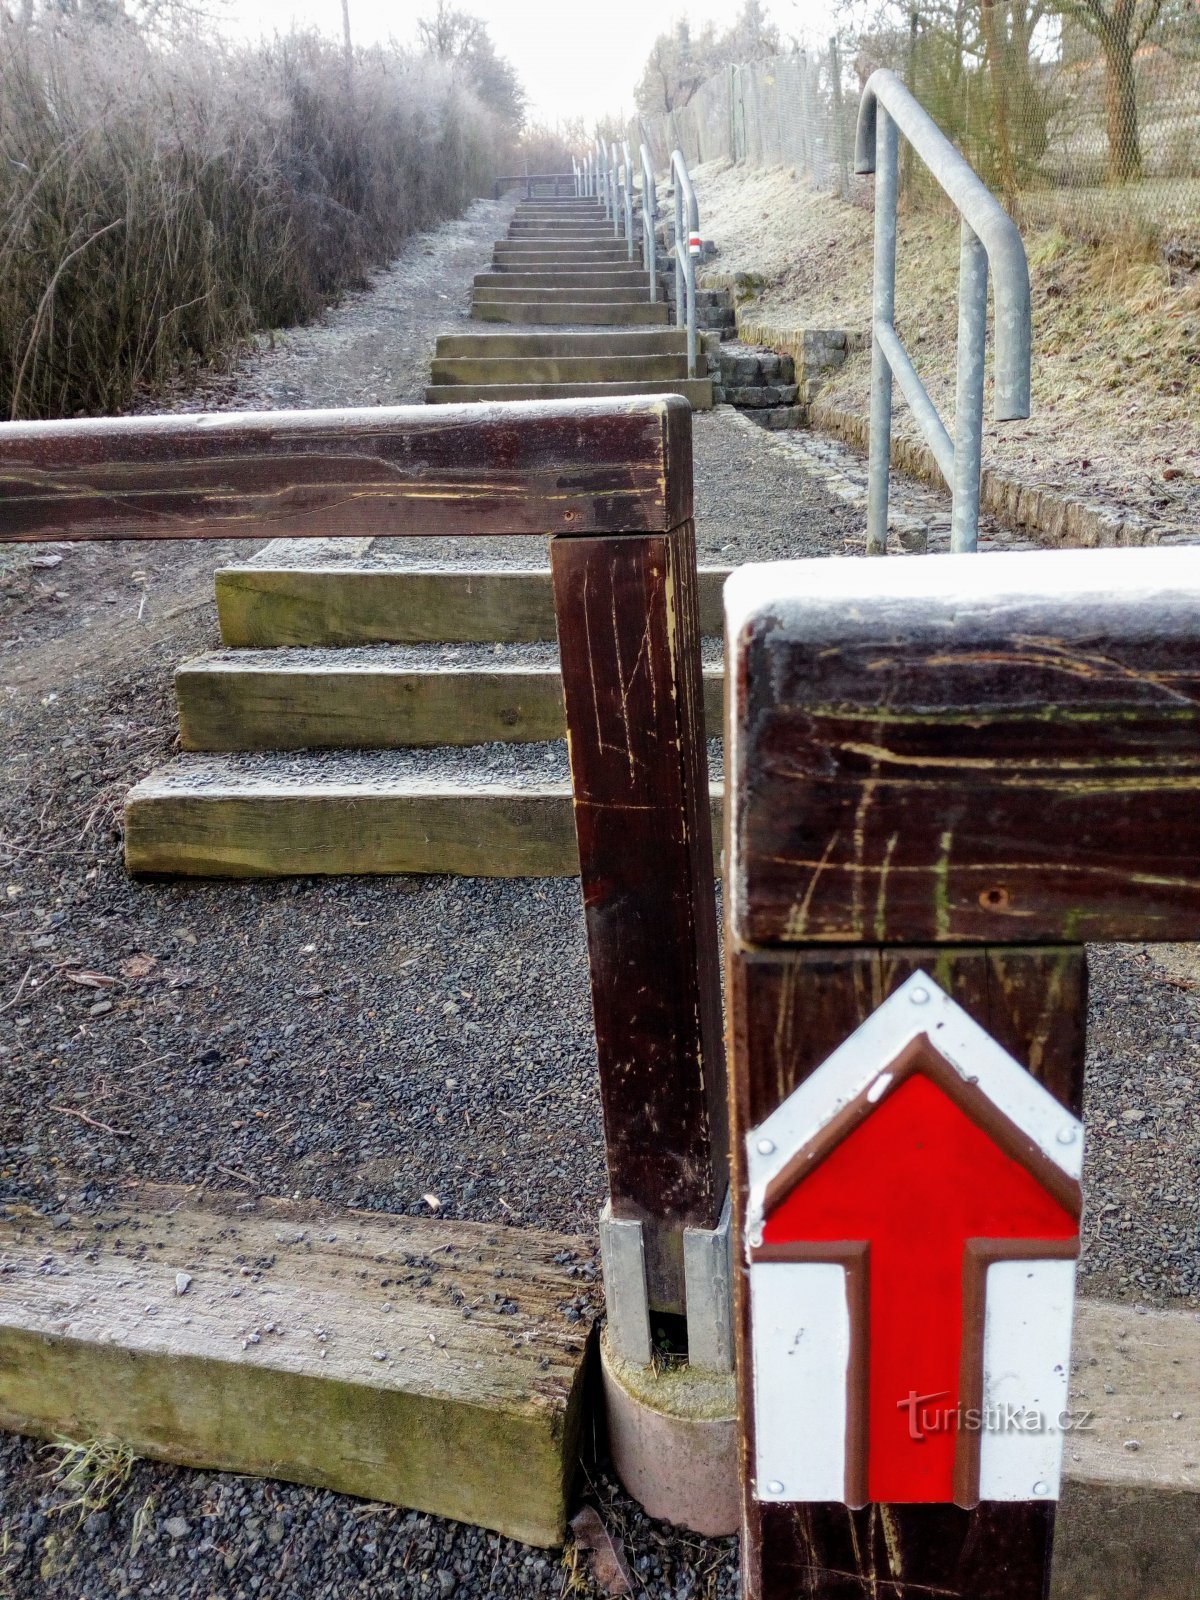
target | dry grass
[
  {"x": 90, "y": 1475},
  {"x": 158, "y": 200},
  {"x": 1116, "y": 333}
]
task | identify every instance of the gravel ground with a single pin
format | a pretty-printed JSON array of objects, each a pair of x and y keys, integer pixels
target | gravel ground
[
  {"x": 519, "y": 657},
  {"x": 327, "y": 1037}
]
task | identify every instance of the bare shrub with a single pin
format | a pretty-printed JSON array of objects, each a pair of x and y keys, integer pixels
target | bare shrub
[{"x": 161, "y": 199}]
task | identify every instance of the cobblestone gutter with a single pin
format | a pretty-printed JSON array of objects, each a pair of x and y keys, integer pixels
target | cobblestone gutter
[{"x": 1053, "y": 517}]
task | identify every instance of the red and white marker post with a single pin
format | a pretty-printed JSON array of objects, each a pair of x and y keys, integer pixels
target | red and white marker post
[{"x": 944, "y": 776}]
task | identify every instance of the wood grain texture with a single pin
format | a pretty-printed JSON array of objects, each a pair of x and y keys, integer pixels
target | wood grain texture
[
  {"x": 629, "y": 645},
  {"x": 242, "y": 702},
  {"x": 788, "y": 1011},
  {"x": 595, "y": 466},
  {"x": 229, "y": 825},
  {"x": 262, "y": 605},
  {"x": 367, "y": 1375},
  {"x": 262, "y": 828},
  {"x": 1006, "y": 755},
  {"x": 829, "y": 1552}
]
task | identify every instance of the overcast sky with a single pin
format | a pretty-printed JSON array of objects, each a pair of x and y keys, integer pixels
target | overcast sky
[{"x": 575, "y": 57}]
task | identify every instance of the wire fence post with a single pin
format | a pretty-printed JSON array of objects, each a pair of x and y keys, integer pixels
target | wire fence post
[{"x": 842, "y": 150}]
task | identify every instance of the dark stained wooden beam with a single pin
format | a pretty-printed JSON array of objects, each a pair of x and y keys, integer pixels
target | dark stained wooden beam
[
  {"x": 993, "y": 752},
  {"x": 588, "y": 466},
  {"x": 629, "y": 641}
]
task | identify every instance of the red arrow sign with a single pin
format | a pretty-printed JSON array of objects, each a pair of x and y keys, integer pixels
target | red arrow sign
[{"x": 933, "y": 1184}]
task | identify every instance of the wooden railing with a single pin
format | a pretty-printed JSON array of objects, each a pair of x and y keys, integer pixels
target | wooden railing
[{"x": 610, "y": 483}]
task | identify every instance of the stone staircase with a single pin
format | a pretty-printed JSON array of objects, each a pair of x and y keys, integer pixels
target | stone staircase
[
  {"x": 367, "y": 715},
  {"x": 370, "y": 717},
  {"x": 560, "y": 264}
]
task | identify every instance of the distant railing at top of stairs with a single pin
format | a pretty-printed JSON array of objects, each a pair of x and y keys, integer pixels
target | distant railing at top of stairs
[
  {"x": 607, "y": 176},
  {"x": 557, "y": 184}
]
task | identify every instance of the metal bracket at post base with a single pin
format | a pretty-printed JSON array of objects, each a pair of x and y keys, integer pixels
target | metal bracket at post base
[
  {"x": 989, "y": 238},
  {"x": 708, "y": 1287}
]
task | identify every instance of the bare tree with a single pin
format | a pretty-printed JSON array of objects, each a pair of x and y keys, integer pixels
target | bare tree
[{"x": 1120, "y": 27}]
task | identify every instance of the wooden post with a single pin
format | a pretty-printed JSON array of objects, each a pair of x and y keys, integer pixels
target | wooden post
[
  {"x": 629, "y": 641},
  {"x": 963, "y": 769}
]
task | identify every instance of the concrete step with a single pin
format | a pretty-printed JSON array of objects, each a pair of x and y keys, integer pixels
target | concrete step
[
  {"x": 382, "y": 697},
  {"x": 571, "y": 313},
  {"x": 480, "y": 811},
  {"x": 595, "y": 247},
  {"x": 558, "y": 369},
  {"x": 697, "y": 390},
  {"x": 298, "y": 592},
  {"x": 582, "y": 211},
  {"x": 561, "y": 230},
  {"x": 562, "y": 263},
  {"x": 519, "y": 277},
  {"x": 644, "y": 342},
  {"x": 501, "y": 290}
]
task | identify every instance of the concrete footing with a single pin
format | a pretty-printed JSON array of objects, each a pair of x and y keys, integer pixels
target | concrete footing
[{"x": 673, "y": 1438}]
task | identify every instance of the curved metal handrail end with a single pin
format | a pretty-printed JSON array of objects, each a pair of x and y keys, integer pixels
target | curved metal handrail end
[
  {"x": 985, "y": 216},
  {"x": 679, "y": 173}
]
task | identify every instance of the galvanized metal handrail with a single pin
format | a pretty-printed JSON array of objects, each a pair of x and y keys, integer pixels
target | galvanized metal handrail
[
  {"x": 602, "y": 175},
  {"x": 627, "y": 179},
  {"x": 988, "y": 236},
  {"x": 614, "y": 167},
  {"x": 687, "y": 248},
  {"x": 649, "y": 221}
]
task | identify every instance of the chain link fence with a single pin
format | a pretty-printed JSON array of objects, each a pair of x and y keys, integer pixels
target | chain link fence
[{"x": 1098, "y": 136}]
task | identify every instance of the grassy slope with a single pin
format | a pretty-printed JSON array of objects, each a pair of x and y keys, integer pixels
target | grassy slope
[{"x": 1116, "y": 378}]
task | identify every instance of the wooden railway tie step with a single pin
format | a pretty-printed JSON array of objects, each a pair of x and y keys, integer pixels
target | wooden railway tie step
[
  {"x": 335, "y": 813},
  {"x": 371, "y": 1355},
  {"x": 388, "y": 697},
  {"x": 314, "y": 592}
]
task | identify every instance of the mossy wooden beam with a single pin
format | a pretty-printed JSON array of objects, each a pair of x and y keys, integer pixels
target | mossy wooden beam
[
  {"x": 245, "y": 702},
  {"x": 214, "y": 823},
  {"x": 424, "y": 1363},
  {"x": 274, "y": 601}
]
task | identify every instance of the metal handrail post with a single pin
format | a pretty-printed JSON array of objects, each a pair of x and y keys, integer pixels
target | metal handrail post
[
  {"x": 968, "y": 403},
  {"x": 649, "y": 222},
  {"x": 615, "y": 212},
  {"x": 629, "y": 199},
  {"x": 602, "y": 173},
  {"x": 687, "y": 248},
  {"x": 989, "y": 242},
  {"x": 883, "y": 315}
]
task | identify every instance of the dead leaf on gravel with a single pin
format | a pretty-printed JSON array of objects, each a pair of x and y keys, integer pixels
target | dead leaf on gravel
[
  {"x": 45, "y": 561},
  {"x": 91, "y": 980},
  {"x": 138, "y": 966},
  {"x": 432, "y": 1201},
  {"x": 610, "y": 1570}
]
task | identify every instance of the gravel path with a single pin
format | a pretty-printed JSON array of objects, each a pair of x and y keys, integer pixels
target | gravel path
[{"x": 328, "y": 1037}]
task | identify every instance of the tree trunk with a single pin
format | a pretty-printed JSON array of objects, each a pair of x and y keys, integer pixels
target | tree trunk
[
  {"x": 1120, "y": 105},
  {"x": 997, "y": 64}
]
